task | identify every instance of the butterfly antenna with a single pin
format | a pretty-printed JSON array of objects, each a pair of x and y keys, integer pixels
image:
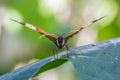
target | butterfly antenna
[
  {"x": 58, "y": 34},
  {"x": 62, "y": 34}
]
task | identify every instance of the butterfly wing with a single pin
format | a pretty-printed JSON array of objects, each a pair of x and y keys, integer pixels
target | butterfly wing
[
  {"x": 81, "y": 28},
  {"x": 49, "y": 36}
]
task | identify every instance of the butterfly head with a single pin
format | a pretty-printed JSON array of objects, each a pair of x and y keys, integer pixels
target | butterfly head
[{"x": 60, "y": 41}]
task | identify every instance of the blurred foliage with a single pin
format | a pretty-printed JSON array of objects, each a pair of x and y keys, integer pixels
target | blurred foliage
[{"x": 33, "y": 12}]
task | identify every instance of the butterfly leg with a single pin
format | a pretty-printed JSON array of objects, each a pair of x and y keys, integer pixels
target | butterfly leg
[
  {"x": 54, "y": 52},
  {"x": 67, "y": 49}
]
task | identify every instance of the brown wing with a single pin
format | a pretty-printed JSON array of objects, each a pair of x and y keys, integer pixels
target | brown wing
[
  {"x": 49, "y": 36},
  {"x": 81, "y": 28}
]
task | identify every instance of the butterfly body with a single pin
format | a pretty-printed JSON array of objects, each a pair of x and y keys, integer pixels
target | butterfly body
[{"x": 60, "y": 41}]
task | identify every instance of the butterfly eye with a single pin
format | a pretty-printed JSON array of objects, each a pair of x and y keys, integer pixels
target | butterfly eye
[{"x": 60, "y": 39}]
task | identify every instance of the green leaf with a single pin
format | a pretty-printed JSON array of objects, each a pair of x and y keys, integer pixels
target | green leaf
[
  {"x": 91, "y": 62},
  {"x": 97, "y": 62},
  {"x": 26, "y": 72},
  {"x": 50, "y": 65},
  {"x": 34, "y": 69}
]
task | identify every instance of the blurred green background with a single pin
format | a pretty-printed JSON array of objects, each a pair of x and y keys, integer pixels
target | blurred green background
[{"x": 20, "y": 46}]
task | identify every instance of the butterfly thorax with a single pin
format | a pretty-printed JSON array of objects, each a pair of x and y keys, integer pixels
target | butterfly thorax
[{"x": 60, "y": 42}]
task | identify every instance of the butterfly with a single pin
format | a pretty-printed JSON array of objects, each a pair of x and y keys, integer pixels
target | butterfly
[{"x": 59, "y": 41}]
